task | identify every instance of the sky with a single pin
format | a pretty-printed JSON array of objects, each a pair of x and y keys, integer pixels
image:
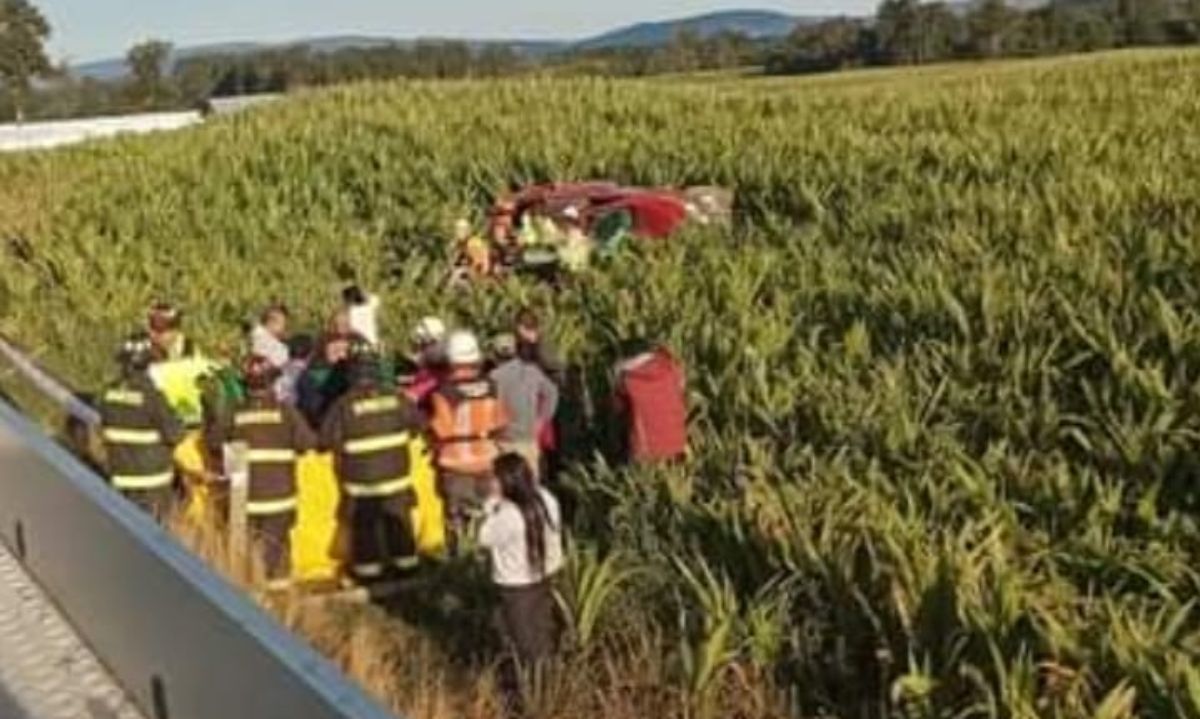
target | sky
[{"x": 86, "y": 30}]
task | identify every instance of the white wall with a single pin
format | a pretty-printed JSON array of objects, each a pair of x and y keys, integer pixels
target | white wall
[{"x": 39, "y": 135}]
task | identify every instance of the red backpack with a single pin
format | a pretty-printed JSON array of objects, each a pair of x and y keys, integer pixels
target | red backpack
[{"x": 652, "y": 388}]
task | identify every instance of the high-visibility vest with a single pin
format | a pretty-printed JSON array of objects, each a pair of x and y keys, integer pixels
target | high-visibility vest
[
  {"x": 179, "y": 381},
  {"x": 374, "y": 452},
  {"x": 467, "y": 416},
  {"x": 138, "y": 453}
]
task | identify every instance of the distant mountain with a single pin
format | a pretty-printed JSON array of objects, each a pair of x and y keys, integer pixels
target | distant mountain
[
  {"x": 758, "y": 24},
  {"x": 115, "y": 68}
]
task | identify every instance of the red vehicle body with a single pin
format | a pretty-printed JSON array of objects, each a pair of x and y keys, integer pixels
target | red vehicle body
[{"x": 655, "y": 213}]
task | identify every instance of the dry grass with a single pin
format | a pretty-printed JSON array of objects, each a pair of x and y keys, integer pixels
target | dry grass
[{"x": 421, "y": 672}]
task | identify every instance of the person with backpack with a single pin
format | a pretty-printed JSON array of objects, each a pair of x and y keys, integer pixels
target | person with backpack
[
  {"x": 465, "y": 423},
  {"x": 522, "y": 533},
  {"x": 651, "y": 396}
]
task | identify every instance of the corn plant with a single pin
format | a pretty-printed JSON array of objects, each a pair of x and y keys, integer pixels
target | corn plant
[{"x": 944, "y": 366}]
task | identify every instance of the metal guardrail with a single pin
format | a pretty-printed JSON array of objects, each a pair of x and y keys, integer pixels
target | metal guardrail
[
  {"x": 184, "y": 643},
  {"x": 51, "y": 388}
]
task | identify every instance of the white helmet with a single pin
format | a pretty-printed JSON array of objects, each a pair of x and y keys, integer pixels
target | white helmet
[
  {"x": 462, "y": 348},
  {"x": 429, "y": 331}
]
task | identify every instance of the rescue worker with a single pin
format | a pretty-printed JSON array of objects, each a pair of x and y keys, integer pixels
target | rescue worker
[
  {"x": 140, "y": 432},
  {"x": 275, "y": 436},
  {"x": 178, "y": 367},
  {"x": 165, "y": 324},
  {"x": 428, "y": 363},
  {"x": 575, "y": 250},
  {"x": 370, "y": 433},
  {"x": 503, "y": 234},
  {"x": 466, "y": 423},
  {"x": 473, "y": 253}
]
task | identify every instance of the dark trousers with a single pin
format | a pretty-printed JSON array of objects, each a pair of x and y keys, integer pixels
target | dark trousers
[
  {"x": 381, "y": 536},
  {"x": 462, "y": 495},
  {"x": 272, "y": 537},
  {"x": 158, "y": 503},
  {"x": 527, "y": 615}
]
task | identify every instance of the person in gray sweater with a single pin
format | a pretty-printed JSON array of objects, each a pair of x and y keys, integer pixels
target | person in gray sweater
[{"x": 530, "y": 397}]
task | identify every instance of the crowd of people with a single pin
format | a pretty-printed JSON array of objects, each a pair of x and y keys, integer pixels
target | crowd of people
[{"x": 486, "y": 418}]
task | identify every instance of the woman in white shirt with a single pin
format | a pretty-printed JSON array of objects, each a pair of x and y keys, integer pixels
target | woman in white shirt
[{"x": 522, "y": 531}]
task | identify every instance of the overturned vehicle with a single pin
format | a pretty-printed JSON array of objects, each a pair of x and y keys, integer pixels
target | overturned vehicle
[{"x": 606, "y": 210}]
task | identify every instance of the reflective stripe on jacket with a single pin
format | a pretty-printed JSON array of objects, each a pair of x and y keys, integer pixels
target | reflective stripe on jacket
[
  {"x": 275, "y": 436},
  {"x": 370, "y": 433},
  {"x": 467, "y": 419},
  {"x": 139, "y": 433}
]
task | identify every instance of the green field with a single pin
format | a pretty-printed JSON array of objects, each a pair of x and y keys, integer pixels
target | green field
[{"x": 945, "y": 368}]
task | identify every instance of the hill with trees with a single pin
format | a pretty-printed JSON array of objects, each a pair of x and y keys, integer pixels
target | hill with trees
[{"x": 903, "y": 32}]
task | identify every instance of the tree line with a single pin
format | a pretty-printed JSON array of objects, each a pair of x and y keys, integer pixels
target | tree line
[
  {"x": 902, "y": 32},
  {"x": 909, "y": 32}
]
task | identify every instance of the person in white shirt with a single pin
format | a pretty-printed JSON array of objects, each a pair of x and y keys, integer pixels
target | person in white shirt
[
  {"x": 522, "y": 532},
  {"x": 268, "y": 339},
  {"x": 362, "y": 310}
]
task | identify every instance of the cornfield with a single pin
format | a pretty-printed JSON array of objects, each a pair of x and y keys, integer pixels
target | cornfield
[{"x": 944, "y": 368}]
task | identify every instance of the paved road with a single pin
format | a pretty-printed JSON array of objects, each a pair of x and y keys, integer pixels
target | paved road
[{"x": 45, "y": 670}]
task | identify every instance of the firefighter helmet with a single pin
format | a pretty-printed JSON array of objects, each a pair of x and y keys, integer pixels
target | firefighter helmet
[
  {"x": 462, "y": 348},
  {"x": 365, "y": 364},
  {"x": 136, "y": 352},
  {"x": 429, "y": 331}
]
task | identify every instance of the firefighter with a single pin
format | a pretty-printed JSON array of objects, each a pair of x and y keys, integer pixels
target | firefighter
[
  {"x": 178, "y": 367},
  {"x": 474, "y": 255},
  {"x": 165, "y": 324},
  {"x": 140, "y": 432},
  {"x": 275, "y": 435},
  {"x": 466, "y": 422},
  {"x": 427, "y": 364},
  {"x": 370, "y": 432}
]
